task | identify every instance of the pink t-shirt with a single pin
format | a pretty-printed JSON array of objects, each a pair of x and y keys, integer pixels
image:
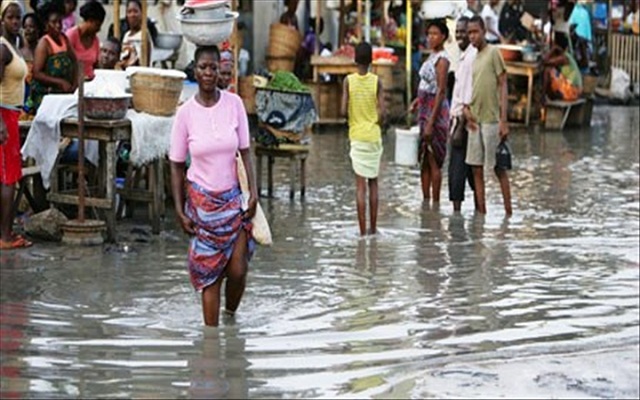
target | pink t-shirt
[
  {"x": 212, "y": 136},
  {"x": 89, "y": 56}
]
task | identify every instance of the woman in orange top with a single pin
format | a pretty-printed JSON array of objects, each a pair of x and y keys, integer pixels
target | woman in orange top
[{"x": 55, "y": 64}]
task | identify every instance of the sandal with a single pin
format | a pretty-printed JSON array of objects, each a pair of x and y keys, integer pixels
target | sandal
[{"x": 17, "y": 242}]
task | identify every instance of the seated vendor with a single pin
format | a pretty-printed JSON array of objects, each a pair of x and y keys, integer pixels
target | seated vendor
[
  {"x": 303, "y": 67},
  {"x": 562, "y": 78},
  {"x": 110, "y": 54}
]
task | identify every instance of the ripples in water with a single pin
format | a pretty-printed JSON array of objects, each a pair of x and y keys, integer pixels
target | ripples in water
[{"x": 436, "y": 305}]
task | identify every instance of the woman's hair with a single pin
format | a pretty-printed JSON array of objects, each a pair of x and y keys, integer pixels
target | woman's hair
[
  {"x": 50, "y": 7},
  {"x": 441, "y": 25},
  {"x": 363, "y": 53},
  {"x": 137, "y": 2},
  {"x": 93, "y": 11},
  {"x": 29, "y": 15},
  {"x": 200, "y": 50}
]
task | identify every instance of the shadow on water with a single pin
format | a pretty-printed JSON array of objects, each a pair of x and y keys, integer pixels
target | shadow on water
[{"x": 436, "y": 305}]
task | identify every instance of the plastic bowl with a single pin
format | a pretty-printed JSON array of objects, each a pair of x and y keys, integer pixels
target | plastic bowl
[
  {"x": 109, "y": 108},
  {"x": 206, "y": 11},
  {"x": 208, "y": 32},
  {"x": 171, "y": 41}
]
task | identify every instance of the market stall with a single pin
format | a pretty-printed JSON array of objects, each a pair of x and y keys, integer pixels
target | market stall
[{"x": 341, "y": 63}]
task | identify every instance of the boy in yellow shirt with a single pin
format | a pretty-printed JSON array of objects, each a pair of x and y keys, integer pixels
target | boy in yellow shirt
[{"x": 362, "y": 101}]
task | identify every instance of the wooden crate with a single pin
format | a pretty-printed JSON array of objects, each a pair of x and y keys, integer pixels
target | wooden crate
[{"x": 330, "y": 100}]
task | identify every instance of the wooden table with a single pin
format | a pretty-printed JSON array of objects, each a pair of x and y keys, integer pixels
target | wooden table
[
  {"x": 337, "y": 66},
  {"x": 108, "y": 134},
  {"x": 530, "y": 70}
]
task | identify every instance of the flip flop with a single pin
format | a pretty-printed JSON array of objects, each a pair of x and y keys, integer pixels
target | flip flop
[{"x": 18, "y": 242}]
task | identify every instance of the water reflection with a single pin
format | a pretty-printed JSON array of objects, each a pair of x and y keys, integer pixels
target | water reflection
[
  {"x": 327, "y": 314},
  {"x": 218, "y": 370}
]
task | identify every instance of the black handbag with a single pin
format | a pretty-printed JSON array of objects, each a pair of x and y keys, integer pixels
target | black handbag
[
  {"x": 503, "y": 156},
  {"x": 458, "y": 132}
]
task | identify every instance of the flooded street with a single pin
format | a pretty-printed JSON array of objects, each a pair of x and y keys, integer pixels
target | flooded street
[{"x": 544, "y": 304}]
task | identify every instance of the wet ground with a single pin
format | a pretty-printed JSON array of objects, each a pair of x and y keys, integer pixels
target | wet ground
[{"x": 544, "y": 304}]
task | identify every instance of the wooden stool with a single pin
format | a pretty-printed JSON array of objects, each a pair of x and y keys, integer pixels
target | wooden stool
[
  {"x": 558, "y": 112},
  {"x": 294, "y": 153},
  {"x": 30, "y": 177},
  {"x": 152, "y": 194}
]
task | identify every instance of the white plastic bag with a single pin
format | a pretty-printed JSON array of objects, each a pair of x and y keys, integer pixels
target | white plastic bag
[
  {"x": 620, "y": 84},
  {"x": 261, "y": 231}
]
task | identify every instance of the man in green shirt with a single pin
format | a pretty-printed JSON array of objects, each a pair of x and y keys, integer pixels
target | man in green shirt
[{"x": 487, "y": 115}]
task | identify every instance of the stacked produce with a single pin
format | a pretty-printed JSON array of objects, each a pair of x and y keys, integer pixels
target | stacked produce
[{"x": 287, "y": 82}]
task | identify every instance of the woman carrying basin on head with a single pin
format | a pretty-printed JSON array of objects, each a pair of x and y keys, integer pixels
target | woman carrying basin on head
[{"x": 212, "y": 127}]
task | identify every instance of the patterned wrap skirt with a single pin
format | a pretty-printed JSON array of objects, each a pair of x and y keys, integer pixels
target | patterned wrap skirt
[
  {"x": 437, "y": 145},
  {"x": 219, "y": 220}
]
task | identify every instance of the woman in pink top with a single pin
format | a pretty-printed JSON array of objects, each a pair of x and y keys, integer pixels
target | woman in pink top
[
  {"x": 212, "y": 127},
  {"x": 84, "y": 39}
]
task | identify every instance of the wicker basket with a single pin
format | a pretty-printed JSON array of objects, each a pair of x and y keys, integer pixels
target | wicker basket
[
  {"x": 155, "y": 94},
  {"x": 280, "y": 63},
  {"x": 284, "y": 41}
]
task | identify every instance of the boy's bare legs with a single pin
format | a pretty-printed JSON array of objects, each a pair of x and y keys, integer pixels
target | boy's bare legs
[
  {"x": 478, "y": 181},
  {"x": 361, "y": 193},
  {"x": 373, "y": 205},
  {"x": 436, "y": 177},
  {"x": 505, "y": 187}
]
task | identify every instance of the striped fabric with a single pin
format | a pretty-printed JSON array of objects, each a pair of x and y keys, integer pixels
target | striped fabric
[
  {"x": 363, "y": 108},
  {"x": 219, "y": 220}
]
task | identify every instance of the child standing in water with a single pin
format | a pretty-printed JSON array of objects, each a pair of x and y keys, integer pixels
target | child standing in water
[{"x": 362, "y": 101}]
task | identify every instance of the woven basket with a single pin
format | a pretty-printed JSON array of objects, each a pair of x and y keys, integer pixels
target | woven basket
[
  {"x": 284, "y": 41},
  {"x": 280, "y": 63},
  {"x": 154, "y": 94}
]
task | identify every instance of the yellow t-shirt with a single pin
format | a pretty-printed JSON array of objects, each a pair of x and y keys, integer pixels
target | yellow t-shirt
[{"x": 363, "y": 108}]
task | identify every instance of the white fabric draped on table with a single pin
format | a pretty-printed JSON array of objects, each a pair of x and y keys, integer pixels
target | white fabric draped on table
[{"x": 151, "y": 135}]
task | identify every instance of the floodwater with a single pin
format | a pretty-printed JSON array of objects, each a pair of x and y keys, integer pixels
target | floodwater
[{"x": 544, "y": 304}]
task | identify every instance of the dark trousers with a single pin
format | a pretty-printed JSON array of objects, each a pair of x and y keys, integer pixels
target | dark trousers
[{"x": 459, "y": 172}]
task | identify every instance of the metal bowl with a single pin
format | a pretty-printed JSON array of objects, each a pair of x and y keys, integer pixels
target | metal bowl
[
  {"x": 214, "y": 11},
  {"x": 109, "y": 108},
  {"x": 168, "y": 40},
  {"x": 208, "y": 32}
]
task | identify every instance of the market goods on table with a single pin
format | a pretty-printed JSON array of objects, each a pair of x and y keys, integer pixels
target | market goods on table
[
  {"x": 156, "y": 91},
  {"x": 286, "y": 81}
]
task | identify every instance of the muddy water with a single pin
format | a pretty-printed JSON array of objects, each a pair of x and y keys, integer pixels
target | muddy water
[{"x": 437, "y": 305}]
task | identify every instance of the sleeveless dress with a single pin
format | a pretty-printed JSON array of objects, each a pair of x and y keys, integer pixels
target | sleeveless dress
[
  {"x": 427, "y": 90},
  {"x": 59, "y": 65}
]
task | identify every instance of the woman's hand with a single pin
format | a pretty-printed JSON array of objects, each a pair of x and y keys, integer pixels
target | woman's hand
[
  {"x": 188, "y": 226},
  {"x": 251, "y": 207},
  {"x": 414, "y": 106},
  {"x": 65, "y": 86},
  {"x": 428, "y": 131}
]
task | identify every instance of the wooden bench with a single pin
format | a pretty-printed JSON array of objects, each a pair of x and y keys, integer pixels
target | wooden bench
[
  {"x": 295, "y": 153},
  {"x": 558, "y": 112}
]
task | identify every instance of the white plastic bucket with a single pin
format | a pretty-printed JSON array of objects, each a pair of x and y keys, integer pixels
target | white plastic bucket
[{"x": 407, "y": 146}]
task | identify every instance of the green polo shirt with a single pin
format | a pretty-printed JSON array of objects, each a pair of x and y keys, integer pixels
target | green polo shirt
[{"x": 485, "y": 101}]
